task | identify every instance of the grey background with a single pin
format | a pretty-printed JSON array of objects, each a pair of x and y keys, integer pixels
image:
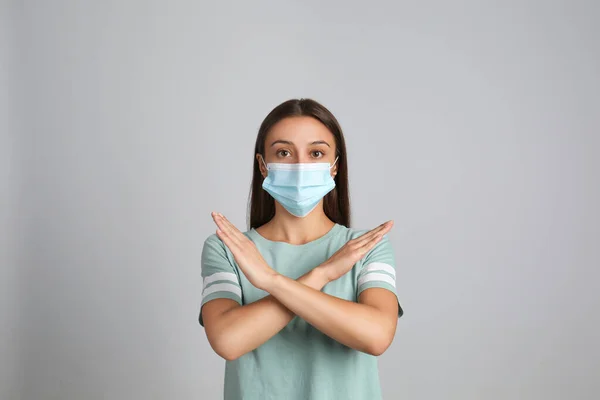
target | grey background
[
  {"x": 474, "y": 125},
  {"x": 9, "y": 295}
]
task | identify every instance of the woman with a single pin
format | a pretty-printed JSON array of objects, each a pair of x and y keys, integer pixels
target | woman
[{"x": 300, "y": 304}]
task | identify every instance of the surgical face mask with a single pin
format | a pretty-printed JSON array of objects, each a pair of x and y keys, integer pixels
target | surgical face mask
[{"x": 298, "y": 187}]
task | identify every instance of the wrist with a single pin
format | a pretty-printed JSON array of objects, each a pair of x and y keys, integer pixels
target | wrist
[
  {"x": 271, "y": 282},
  {"x": 321, "y": 274}
]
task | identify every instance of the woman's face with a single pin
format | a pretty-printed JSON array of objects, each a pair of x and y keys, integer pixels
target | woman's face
[{"x": 299, "y": 140}]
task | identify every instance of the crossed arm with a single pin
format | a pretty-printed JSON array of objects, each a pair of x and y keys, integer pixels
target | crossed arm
[
  {"x": 234, "y": 329},
  {"x": 368, "y": 325}
]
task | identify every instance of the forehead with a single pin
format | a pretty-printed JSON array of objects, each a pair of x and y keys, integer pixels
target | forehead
[{"x": 300, "y": 131}]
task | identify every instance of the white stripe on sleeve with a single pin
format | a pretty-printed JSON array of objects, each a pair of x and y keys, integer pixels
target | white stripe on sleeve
[
  {"x": 223, "y": 287},
  {"x": 220, "y": 276},
  {"x": 379, "y": 266},
  {"x": 377, "y": 277}
]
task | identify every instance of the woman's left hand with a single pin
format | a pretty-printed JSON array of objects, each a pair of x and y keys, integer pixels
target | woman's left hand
[{"x": 247, "y": 256}]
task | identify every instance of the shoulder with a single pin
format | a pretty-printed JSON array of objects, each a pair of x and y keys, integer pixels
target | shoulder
[
  {"x": 214, "y": 247},
  {"x": 382, "y": 251},
  {"x": 347, "y": 234},
  {"x": 384, "y": 245},
  {"x": 215, "y": 256},
  {"x": 353, "y": 233},
  {"x": 212, "y": 242}
]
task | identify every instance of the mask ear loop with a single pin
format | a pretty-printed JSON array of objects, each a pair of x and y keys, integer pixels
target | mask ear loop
[
  {"x": 263, "y": 161},
  {"x": 335, "y": 173},
  {"x": 334, "y": 162}
]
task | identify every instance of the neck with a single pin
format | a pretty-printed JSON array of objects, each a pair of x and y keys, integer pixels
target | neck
[{"x": 288, "y": 228}]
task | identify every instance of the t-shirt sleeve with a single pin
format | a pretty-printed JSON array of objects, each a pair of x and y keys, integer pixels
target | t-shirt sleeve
[
  {"x": 219, "y": 277},
  {"x": 379, "y": 270}
]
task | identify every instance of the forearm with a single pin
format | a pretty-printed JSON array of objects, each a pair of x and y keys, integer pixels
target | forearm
[
  {"x": 243, "y": 329},
  {"x": 359, "y": 326}
]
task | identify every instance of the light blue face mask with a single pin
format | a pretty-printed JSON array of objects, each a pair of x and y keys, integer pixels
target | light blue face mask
[{"x": 298, "y": 187}]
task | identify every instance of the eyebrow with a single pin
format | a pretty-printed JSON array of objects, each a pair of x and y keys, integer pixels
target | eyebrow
[
  {"x": 321, "y": 142},
  {"x": 281, "y": 141},
  {"x": 290, "y": 143}
]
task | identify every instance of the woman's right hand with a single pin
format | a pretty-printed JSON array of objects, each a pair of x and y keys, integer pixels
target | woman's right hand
[{"x": 353, "y": 251}]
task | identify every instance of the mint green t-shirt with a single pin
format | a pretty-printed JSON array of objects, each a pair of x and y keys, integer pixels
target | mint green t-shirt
[{"x": 299, "y": 362}]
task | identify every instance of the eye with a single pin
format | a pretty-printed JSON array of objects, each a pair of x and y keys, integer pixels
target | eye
[
  {"x": 317, "y": 153},
  {"x": 283, "y": 153}
]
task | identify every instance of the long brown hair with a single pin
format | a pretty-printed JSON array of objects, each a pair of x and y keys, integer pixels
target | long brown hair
[{"x": 336, "y": 204}]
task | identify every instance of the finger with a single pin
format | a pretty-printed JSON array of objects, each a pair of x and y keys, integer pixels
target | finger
[
  {"x": 220, "y": 223},
  {"x": 370, "y": 244},
  {"x": 237, "y": 237},
  {"x": 232, "y": 227},
  {"x": 233, "y": 230},
  {"x": 359, "y": 252},
  {"x": 226, "y": 239},
  {"x": 377, "y": 229},
  {"x": 388, "y": 227},
  {"x": 378, "y": 236},
  {"x": 225, "y": 231},
  {"x": 361, "y": 240}
]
